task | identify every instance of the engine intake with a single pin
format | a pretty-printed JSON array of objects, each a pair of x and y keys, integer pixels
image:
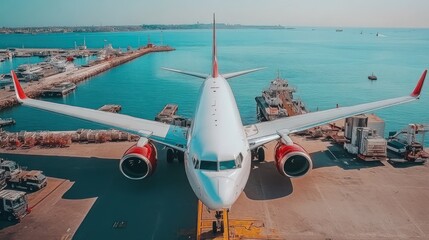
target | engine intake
[
  {"x": 292, "y": 160},
  {"x": 139, "y": 162}
]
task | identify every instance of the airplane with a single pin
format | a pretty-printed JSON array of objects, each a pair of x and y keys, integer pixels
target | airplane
[{"x": 217, "y": 148}]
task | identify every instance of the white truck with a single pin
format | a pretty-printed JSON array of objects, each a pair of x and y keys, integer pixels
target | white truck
[
  {"x": 30, "y": 180},
  {"x": 13, "y": 205},
  {"x": 11, "y": 168}
]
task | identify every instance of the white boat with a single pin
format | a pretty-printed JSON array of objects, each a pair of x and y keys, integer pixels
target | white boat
[
  {"x": 5, "y": 79},
  {"x": 29, "y": 68},
  {"x": 66, "y": 67}
]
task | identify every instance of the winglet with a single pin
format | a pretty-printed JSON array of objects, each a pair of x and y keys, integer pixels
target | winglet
[
  {"x": 215, "y": 72},
  {"x": 418, "y": 89},
  {"x": 18, "y": 89}
]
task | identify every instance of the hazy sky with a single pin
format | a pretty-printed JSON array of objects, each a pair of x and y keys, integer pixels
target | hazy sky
[{"x": 337, "y": 13}]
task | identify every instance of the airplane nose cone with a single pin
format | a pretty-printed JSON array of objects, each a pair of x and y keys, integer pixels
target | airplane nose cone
[{"x": 224, "y": 193}]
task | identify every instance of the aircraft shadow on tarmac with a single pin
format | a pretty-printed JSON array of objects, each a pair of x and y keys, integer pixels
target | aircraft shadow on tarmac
[
  {"x": 405, "y": 164},
  {"x": 147, "y": 206},
  {"x": 266, "y": 183},
  {"x": 336, "y": 156}
]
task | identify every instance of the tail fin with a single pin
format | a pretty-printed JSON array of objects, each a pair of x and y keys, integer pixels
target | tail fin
[{"x": 215, "y": 72}]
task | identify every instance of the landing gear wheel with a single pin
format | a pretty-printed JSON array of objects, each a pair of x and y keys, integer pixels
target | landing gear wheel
[
  {"x": 170, "y": 155},
  {"x": 214, "y": 227},
  {"x": 261, "y": 154},
  {"x": 181, "y": 157}
]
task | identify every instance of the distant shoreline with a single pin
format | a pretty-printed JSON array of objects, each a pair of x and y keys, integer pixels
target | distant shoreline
[{"x": 130, "y": 28}]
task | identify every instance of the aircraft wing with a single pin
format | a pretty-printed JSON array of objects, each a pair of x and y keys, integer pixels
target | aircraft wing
[
  {"x": 169, "y": 135},
  {"x": 264, "y": 132}
]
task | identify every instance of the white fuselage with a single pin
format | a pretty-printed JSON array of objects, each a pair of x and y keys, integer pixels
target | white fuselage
[{"x": 217, "y": 161}]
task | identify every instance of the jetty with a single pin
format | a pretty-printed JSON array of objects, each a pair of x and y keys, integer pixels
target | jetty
[
  {"x": 36, "y": 89},
  {"x": 59, "y": 90},
  {"x": 168, "y": 116},
  {"x": 114, "y": 108}
]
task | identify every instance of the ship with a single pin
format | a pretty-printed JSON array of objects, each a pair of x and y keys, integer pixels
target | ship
[
  {"x": 278, "y": 101},
  {"x": 372, "y": 77}
]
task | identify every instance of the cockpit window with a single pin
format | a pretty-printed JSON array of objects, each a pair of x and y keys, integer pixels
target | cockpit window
[
  {"x": 208, "y": 165},
  {"x": 214, "y": 166},
  {"x": 225, "y": 165}
]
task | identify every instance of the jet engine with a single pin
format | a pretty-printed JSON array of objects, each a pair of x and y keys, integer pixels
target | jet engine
[
  {"x": 139, "y": 161},
  {"x": 292, "y": 160}
]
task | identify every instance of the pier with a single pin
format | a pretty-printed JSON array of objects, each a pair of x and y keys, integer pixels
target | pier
[
  {"x": 111, "y": 108},
  {"x": 168, "y": 116},
  {"x": 59, "y": 90},
  {"x": 35, "y": 89}
]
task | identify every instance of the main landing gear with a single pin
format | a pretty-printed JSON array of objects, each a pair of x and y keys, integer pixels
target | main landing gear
[
  {"x": 173, "y": 154},
  {"x": 218, "y": 225},
  {"x": 258, "y": 154}
]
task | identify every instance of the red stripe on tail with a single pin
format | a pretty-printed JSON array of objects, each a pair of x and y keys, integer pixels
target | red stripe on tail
[
  {"x": 419, "y": 85},
  {"x": 215, "y": 72},
  {"x": 18, "y": 89}
]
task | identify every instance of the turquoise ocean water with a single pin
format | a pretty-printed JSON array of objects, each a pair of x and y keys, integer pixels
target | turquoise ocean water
[{"x": 326, "y": 67}]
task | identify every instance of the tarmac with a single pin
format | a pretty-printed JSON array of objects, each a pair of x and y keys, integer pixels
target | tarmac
[{"x": 341, "y": 198}]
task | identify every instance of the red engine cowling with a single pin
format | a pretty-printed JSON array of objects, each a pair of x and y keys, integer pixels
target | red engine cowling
[
  {"x": 292, "y": 160},
  {"x": 139, "y": 162}
]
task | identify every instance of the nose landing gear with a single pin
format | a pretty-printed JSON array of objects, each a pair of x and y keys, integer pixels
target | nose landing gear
[
  {"x": 218, "y": 225},
  {"x": 173, "y": 154}
]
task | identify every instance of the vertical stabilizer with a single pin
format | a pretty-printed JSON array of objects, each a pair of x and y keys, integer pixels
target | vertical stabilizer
[{"x": 215, "y": 72}]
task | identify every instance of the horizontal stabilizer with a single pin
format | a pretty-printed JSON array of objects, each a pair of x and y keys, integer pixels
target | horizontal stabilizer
[
  {"x": 236, "y": 74},
  {"x": 194, "y": 74}
]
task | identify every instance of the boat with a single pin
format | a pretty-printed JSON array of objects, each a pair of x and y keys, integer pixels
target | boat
[
  {"x": 66, "y": 67},
  {"x": 278, "y": 101},
  {"x": 5, "y": 79},
  {"x": 29, "y": 68},
  {"x": 372, "y": 77},
  {"x": 6, "y": 122}
]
